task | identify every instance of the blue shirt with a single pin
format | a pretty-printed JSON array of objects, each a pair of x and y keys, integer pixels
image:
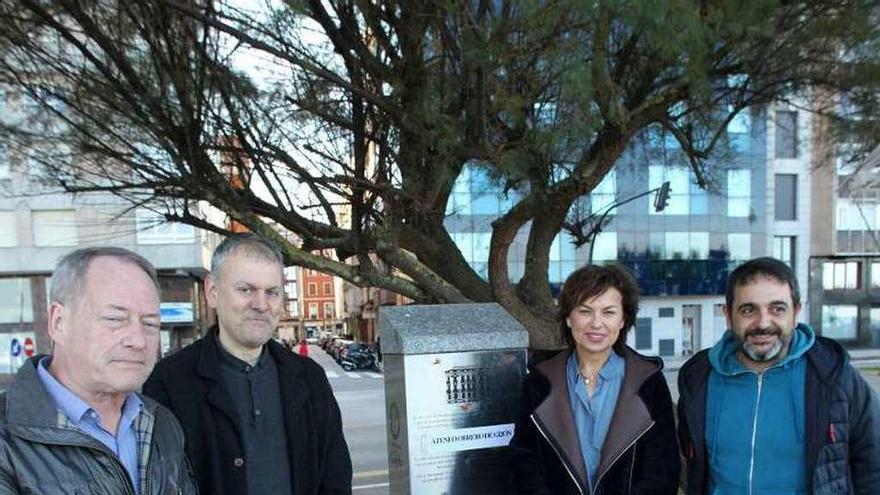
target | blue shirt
[
  {"x": 592, "y": 415},
  {"x": 124, "y": 444}
]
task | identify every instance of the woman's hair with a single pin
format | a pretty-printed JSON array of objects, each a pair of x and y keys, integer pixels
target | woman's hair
[{"x": 590, "y": 281}]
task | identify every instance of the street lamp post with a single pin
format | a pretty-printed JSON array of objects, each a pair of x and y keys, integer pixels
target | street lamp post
[{"x": 661, "y": 200}]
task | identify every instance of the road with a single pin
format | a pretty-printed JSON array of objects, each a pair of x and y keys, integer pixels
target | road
[{"x": 361, "y": 397}]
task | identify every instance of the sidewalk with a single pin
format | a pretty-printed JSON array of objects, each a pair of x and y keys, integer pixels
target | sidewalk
[{"x": 858, "y": 357}]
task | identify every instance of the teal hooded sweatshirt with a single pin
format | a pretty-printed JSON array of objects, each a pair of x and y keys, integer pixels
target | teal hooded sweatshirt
[{"x": 755, "y": 421}]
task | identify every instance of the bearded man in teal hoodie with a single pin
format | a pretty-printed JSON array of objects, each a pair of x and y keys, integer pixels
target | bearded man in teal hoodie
[{"x": 772, "y": 408}]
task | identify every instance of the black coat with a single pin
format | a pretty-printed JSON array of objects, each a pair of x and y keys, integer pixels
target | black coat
[
  {"x": 640, "y": 453},
  {"x": 842, "y": 423},
  {"x": 188, "y": 382}
]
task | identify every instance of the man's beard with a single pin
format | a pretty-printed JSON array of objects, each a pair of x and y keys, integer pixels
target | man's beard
[{"x": 760, "y": 356}]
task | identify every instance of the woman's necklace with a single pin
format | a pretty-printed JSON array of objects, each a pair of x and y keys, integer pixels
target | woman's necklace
[{"x": 587, "y": 378}]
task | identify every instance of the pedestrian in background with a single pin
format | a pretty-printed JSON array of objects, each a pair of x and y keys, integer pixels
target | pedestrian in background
[
  {"x": 597, "y": 417},
  {"x": 73, "y": 422},
  {"x": 772, "y": 407},
  {"x": 303, "y": 348}
]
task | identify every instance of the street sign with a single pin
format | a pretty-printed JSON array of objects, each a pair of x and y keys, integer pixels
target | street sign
[
  {"x": 28, "y": 347},
  {"x": 176, "y": 312},
  {"x": 14, "y": 347}
]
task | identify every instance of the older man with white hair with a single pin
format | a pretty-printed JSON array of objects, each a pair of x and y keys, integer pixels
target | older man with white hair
[{"x": 73, "y": 421}]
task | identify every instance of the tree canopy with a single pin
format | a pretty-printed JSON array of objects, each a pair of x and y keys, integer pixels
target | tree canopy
[{"x": 347, "y": 123}]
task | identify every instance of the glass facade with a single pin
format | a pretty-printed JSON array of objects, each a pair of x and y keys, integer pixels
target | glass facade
[
  {"x": 840, "y": 321},
  {"x": 784, "y": 249},
  {"x": 16, "y": 305},
  {"x": 786, "y": 134},
  {"x": 687, "y": 249},
  {"x": 786, "y": 197},
  {"x": 858, "y": 219},
  {"x": 840, "y": 275}
]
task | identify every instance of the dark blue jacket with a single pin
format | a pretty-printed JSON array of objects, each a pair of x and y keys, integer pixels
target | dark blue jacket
[{"x": 842, "y": 423}]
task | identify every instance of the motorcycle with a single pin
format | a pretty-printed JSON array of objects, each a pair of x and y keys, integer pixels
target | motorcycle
[{"x": 365, "y": 359}]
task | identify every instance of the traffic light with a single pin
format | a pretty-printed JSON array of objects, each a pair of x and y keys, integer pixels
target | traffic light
[{"x": 661, "y": 200}]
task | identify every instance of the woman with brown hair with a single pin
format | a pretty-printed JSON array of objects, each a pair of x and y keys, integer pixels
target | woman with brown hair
[{"x": 597, "y": 417}]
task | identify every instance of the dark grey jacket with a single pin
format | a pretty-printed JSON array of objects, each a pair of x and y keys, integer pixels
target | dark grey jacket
[
  {"x": 842, "y": 423},
  {"x": 40, "y": 454},
  {"x": 189, "y": 383}
]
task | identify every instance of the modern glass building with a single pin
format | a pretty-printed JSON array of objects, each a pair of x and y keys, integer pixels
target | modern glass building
[{"x": 681, "y": 256}]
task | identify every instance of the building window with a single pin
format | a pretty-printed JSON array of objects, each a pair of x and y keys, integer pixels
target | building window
[
  {"x": 290, "y": 288},
  {"x": 54, "y": 227},
  {"x": 16, "y": 305},
  {"x": 4, "y": 160},
  {"x": 482, "y": 240},
  {"x": 563, "y": 258},
  {"x": 840, "y": 321},
  {"x": 643, "y": 333},
  {"x": 9, "y": 228},
  {"x": 604, "y": 194},
  {"x": 313, "y": 289},
  {"x": 838, "y": 275},
  {"x": 784, "y": 249},
  {"x": 328, "y": 289},
  {"x": 476, "y": 193},
  {"x": 606, "y": 247},
  {"x": 875, "y": 275},
  {"x": 786, "y": 197},
  {"x": 465, "y": 243},
  {"x": 313, "y": 311},
  {"x": 328, "y": 310},
  {"x": 874, "y": 316},
  {"x": 686, "y": 245},
  {"x": 786, "y": 134},
  {"x": 739, "y": 192},
  {"x": 666, "y": 312},
  {"x": 153, "y": 228},
  {"x": 739, "y": 246},
  {"x": 857, "y": 214},
  {"x": 292, "y": 308}
]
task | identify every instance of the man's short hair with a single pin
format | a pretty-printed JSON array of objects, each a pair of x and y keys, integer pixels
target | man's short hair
[
  {"x": 70, "y": 273},
  {"x": 593, "y": 280},
  {"x": 762, "y": 267},
  {"x": 251, "y": 245}
]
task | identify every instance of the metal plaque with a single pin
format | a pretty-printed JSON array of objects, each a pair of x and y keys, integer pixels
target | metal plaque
[{"x": 450, "y": 417}]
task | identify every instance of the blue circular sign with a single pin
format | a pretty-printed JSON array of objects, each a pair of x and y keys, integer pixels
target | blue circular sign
[{"x": 15, "y": 347}]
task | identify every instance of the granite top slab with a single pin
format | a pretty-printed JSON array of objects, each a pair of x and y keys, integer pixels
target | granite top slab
[{"x": 429, "y": 329}]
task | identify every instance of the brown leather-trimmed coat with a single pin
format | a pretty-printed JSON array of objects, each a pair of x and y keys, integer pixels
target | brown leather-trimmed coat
[{"x": 639, "y": 455}]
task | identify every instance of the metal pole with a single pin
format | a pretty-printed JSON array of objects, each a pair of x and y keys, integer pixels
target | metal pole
[{"x": 597, "y": 229}]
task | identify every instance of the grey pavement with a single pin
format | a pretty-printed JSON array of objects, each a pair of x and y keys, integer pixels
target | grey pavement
[{"x": 361, "y": 398}]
